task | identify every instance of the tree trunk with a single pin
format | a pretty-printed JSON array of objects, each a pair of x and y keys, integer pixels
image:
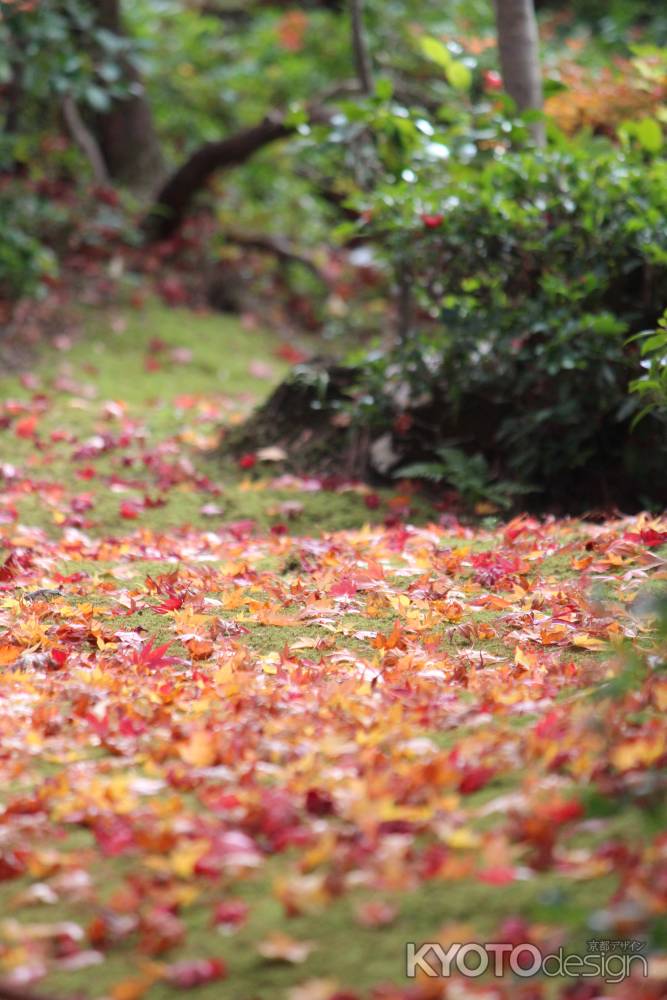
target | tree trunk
[
  {"x": 126, "y": 132},
  {"x": 519, "y": 47}
]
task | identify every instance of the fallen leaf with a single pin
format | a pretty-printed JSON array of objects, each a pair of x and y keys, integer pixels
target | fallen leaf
[{"x": 279, "y": 947}]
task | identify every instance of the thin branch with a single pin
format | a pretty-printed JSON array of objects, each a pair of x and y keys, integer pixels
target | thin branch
[
  {"x": 342, "y": 88},
  {"x": 361, "y": 55},
  {"x": 278, "y": 247},
  {"x": 405, "y": 306},
  {"x": 84, "y": 139}
]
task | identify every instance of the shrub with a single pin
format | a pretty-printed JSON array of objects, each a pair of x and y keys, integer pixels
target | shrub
[
  {"x": 25, "y": 259},
  {"x": 529, "y": 271}
]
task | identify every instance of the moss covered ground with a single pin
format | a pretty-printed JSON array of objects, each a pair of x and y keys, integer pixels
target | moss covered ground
[{"x": 370, "y": 723}]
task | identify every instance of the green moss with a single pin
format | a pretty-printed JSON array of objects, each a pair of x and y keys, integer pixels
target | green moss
[
  {"x": 111, "y": 359},
  {"x": 355, "y": 956}
]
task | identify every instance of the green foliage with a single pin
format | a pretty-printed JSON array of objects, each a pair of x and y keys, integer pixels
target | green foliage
[
  {"x": 648, "y": 132},
  {"x": 59, "y": 49},
  {"x": 25, "y": 259},
  {"x": 48, "y": 51},
  {"x": 613, "y": 20},
  {"x": 529, "y": 270},
  {"x": 635, "y": 663},
  {"x": 456, "y": 72},
  {"x": 651, "y": 386},
  {"x": 468, "y": 474},
  {"x": 207, "y": 75}
]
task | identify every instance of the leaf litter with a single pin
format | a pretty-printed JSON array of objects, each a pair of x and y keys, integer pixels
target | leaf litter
[{"x": 216, "y": 731}]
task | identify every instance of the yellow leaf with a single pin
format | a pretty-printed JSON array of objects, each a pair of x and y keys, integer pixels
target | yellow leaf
[
  {"x": 588, "y": 641},
  {"x": 314, "y": 989},
  {"x": 524, "y": 658},
  {"x": 9, "y": 654},
  {"x": 201, "y": 750},
  {"x": 133, "y": 989},
  {"x": 182, "y": 861},
  {"x": 463, "y": 839},
  {"x": 644, "y": 752},
  {"x": 660, "y": 696},
  {"x": 305, "y": 643},
  {"x": 552, "y": 634}
]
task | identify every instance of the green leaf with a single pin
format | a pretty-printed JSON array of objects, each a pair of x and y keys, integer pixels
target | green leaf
[
  {"x": 459, "y": 76},
  {"x": 657, "y": 342},
  {"x": 421, "y": 470},
  {"x": 552, "y": 86},
  {"x": 296, "y": 115},
  {"x": 437, "y": 52},
  {"x": 640, "y": 416},
  {"x": 97, "y": 98},
  {"x": 109, "y": 72},
  {"x": 384, "y": 89},
  {"x": 650, "y": 135}
]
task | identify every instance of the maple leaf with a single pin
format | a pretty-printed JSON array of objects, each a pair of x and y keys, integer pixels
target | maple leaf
[
  {"x": 26, "y": 427},
  {"x": 114, "y": 835},
  {"x": 648, "y": 537},
  {"x": 134, "y": 988},
  {"x": 230, "y": 914},
  {"x": 319, "y": 803},
  {"x": 292, "y": 29},
  {"x": 201, "y": 750},
  {"x": 152, "y": 656},
  {"x": 319, "y": 989},
  {"x": 344, "y": 588},
  {"x": 376, "y": 913},
  {"x": 188, "y": 974},
  {"x": 173, "y": 603},
  {"x": 497, "y": 876},
  {"x": 9, "y": 654},
  {"x": 279, "y": 947},
  {"x": 475, "y": 778},
  {"x": 129, "y": 510}
]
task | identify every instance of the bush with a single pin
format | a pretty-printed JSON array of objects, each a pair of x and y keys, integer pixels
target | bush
[
  {"x": 25, "y": 259},
  {"x": 529, "y": 272}
]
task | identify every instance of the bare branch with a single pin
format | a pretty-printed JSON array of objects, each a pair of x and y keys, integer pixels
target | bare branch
[
  {"x": 172, "y": 201},
  {"x": 361, "y": 55},
  {"x": 174, "y": 198},
  {"x": 84, "y": 139},
  {"x": 278, "y": 247}
]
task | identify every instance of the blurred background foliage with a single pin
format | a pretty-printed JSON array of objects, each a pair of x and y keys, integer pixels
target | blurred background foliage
[{"x": 472, "y": 272}]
